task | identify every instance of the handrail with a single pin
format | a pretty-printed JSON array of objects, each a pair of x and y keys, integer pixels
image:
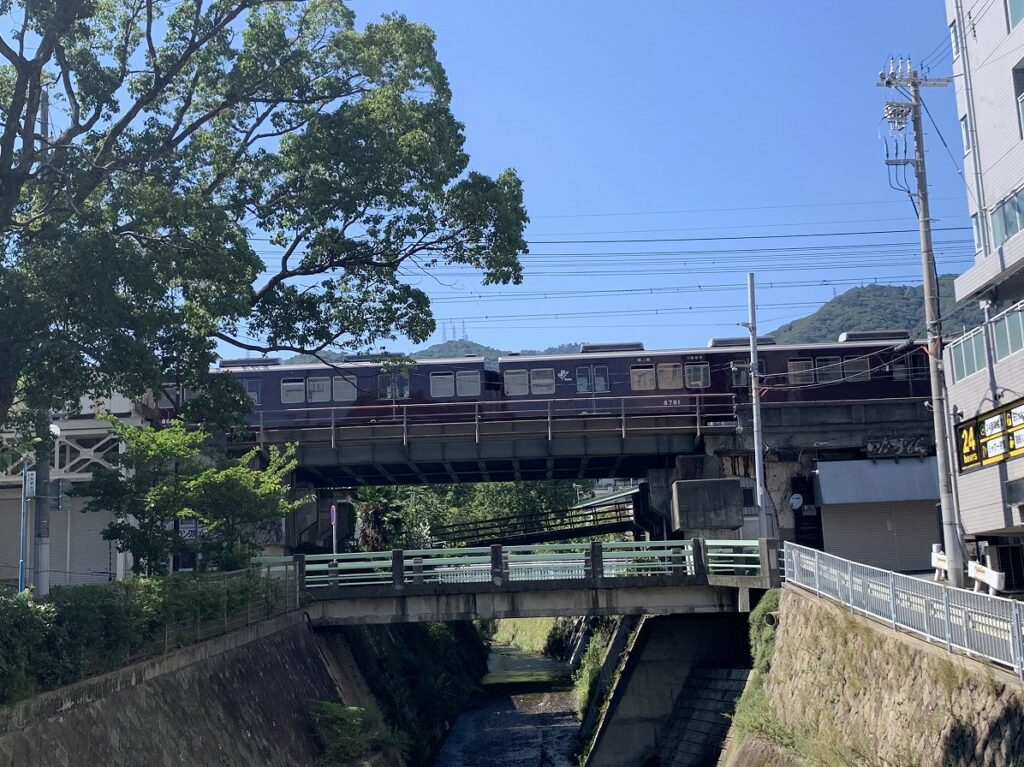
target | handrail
[
  {"x": 977, "y": 624},
  {"x": 497, "y": 564}
]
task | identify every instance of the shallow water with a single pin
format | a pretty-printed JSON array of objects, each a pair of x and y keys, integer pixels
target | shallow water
[{"x": 524, "y": 717}]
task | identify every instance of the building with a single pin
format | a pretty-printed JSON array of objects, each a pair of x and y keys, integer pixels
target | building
[{"x": 985, "y": 366}]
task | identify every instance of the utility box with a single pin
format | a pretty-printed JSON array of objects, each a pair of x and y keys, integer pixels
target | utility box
[{"x": 711, "y": 507}]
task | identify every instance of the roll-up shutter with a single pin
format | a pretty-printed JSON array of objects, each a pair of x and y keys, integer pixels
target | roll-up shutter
[{"x": 894, "y": 536}]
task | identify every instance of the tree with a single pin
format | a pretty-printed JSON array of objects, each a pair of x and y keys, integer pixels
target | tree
[
  {"x": 147, "y": 492},
  {"x": 145, "y": 146},
  {"x": 168, "y": 475}
]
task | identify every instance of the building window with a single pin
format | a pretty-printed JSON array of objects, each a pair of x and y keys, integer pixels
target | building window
[
  {"x": 1014, "y": 12},
  {"x": 954, "y": 39},
  {"x": 968, "y": 354},
  {"x": 293, "y": 390},
  {"x": 345, "y": 389},
  {"x": 442, "y": 385},
  {"x": 542, "y": 381},
  {"x": 641, "y": 378},
  {"x": 828, "y": 369},
  {"x": 467, "y": 383},
  {"x": 976, "y": 231},
  {"x": 1018, "y": 92},
  {"x": 670, "y": 375},
  {"x": 698, "y": 375},
  {"x": 1008, "y": 332},
  {"x": 965, "y": 133},
  {"x": 800, "y": 371},
  {"x": 1008, "y": 217},
  {"x": 252, "y": 388},
  {"x": 318, "y": 389},
  {"x": 393, "y": 386},
  {"x": 856, "y": 368},
  {"x": 517, "y": 382}
]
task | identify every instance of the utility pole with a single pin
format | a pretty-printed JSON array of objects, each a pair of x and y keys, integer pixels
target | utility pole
[
  {"x": 763, "y": 530},
  {"x": 901, "y": 76}
]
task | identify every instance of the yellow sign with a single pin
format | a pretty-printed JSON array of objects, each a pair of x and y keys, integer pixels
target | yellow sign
[{"x": 991, "y": 437}]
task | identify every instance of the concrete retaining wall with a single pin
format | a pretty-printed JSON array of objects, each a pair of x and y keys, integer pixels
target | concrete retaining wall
[{"x": 240, "y": 699}]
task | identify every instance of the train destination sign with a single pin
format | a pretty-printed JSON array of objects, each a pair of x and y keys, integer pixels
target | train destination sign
[{"x": 991, "y": 437}]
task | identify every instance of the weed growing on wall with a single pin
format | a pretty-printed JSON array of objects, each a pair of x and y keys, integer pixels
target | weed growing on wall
[{"x": 350, "y": 732}]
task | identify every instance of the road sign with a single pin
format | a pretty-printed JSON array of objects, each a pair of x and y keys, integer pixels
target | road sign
[
  {"x": 334, "y": 529},
  {"x": 334, "y": 515},
  {"x": 30, "y": 484}
]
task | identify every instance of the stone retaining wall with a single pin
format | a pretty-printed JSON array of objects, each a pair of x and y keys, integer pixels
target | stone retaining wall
[{"x": 845, "y": 690}]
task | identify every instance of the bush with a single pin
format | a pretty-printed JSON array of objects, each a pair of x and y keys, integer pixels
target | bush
[
  {"x": 86, "y": 630},
  {"x": 349, "y": 732}
]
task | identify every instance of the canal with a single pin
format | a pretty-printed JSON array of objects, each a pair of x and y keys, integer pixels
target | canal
[{"x": 522, "y": 717}]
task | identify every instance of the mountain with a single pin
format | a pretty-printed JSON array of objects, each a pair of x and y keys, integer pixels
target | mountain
[
  {"x": 457, "y": 348},
  {"x": 879, "y": 307}
]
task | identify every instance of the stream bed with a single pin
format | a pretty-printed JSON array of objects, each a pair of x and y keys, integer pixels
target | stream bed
[{"x": 523, "y": 716}]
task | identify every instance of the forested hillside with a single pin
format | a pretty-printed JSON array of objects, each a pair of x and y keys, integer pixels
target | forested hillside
[{"x": 879, "y": 307}]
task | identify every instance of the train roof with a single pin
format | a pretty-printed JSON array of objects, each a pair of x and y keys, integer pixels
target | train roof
[
  {"x": 704, "y": 350},
  {"x": 258, "y": 366}
]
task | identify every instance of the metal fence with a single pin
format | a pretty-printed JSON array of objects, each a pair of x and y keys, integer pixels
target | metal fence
[{"x": 977, "y": 624}]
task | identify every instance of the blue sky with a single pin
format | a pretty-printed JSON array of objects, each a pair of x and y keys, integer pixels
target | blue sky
[{"x": 687, "y": 123}]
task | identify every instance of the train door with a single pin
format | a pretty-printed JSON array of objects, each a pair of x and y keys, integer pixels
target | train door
[
  {"x": 593, "y": 384},
  {"x": 393, "y": 392}
]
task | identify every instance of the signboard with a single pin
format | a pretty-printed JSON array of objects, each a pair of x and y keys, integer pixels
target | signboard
[
  {"x": 992, "y": 437},
  {"x": 334, "y": 515},
  {"x": 30, "y": 484}
]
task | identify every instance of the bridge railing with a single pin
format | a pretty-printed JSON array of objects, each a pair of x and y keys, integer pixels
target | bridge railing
[
  {"x": 977, "y": 624},
  {"x": 499, "y": 565},
  {"x": 618, "y": 414}
]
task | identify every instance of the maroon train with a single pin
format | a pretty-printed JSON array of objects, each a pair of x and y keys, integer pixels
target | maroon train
[{"x": 600, "y": 378}]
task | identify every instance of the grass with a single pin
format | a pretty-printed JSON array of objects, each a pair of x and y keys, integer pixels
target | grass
[{"x": 529, "y": 634}]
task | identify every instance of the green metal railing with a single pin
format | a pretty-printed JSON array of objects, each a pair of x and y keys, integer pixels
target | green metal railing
[{"x": 534, "y": 563}]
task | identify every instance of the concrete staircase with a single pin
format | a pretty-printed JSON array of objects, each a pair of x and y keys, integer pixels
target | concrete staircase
[{"x": 694, "y": 733}]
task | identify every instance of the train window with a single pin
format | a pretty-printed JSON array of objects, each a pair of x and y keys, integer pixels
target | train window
[
  {"x": 583, "y": 383},
  {"x": 800, "y": 371},
  {"x": 542, "y": 381},
  {"x": 393, "y": 386},
  {"x": 293, "y": 390},
  {"x": 670, "y": 375},
  {"x": 517, "y": 382},
  {"x": 601, "y": 379},
  {"x": 641, "y": 378},
  {"x": 741, "y": 373},
  {"x": 318, "y": 389},
  {"x": 698, "y": 375},
  {"x": 252, "y": 388},
  {"x": 442, "y": 385},
  {"x": 919, "y": 367},
  {"x": 345, "y": 389},
  {"x": 467, "y": 383},
  {"x": 857, "y": 368},
  {"x": 828, "y": 369},
  {"x": 899, "y": 370}
]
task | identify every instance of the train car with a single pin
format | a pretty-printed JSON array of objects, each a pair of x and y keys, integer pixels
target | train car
[
  {"x": 610, "y": 378},
  {"x": 361, "y": 391}
]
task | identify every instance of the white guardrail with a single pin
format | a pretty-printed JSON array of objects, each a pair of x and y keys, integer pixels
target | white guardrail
[{"x": 977, "y": 624}]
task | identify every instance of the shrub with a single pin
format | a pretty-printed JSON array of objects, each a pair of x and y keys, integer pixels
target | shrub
[{"x": 348, "y": 732}]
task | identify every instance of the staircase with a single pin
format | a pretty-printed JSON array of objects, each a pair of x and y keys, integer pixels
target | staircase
[{"x": 696, "y": 729}]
